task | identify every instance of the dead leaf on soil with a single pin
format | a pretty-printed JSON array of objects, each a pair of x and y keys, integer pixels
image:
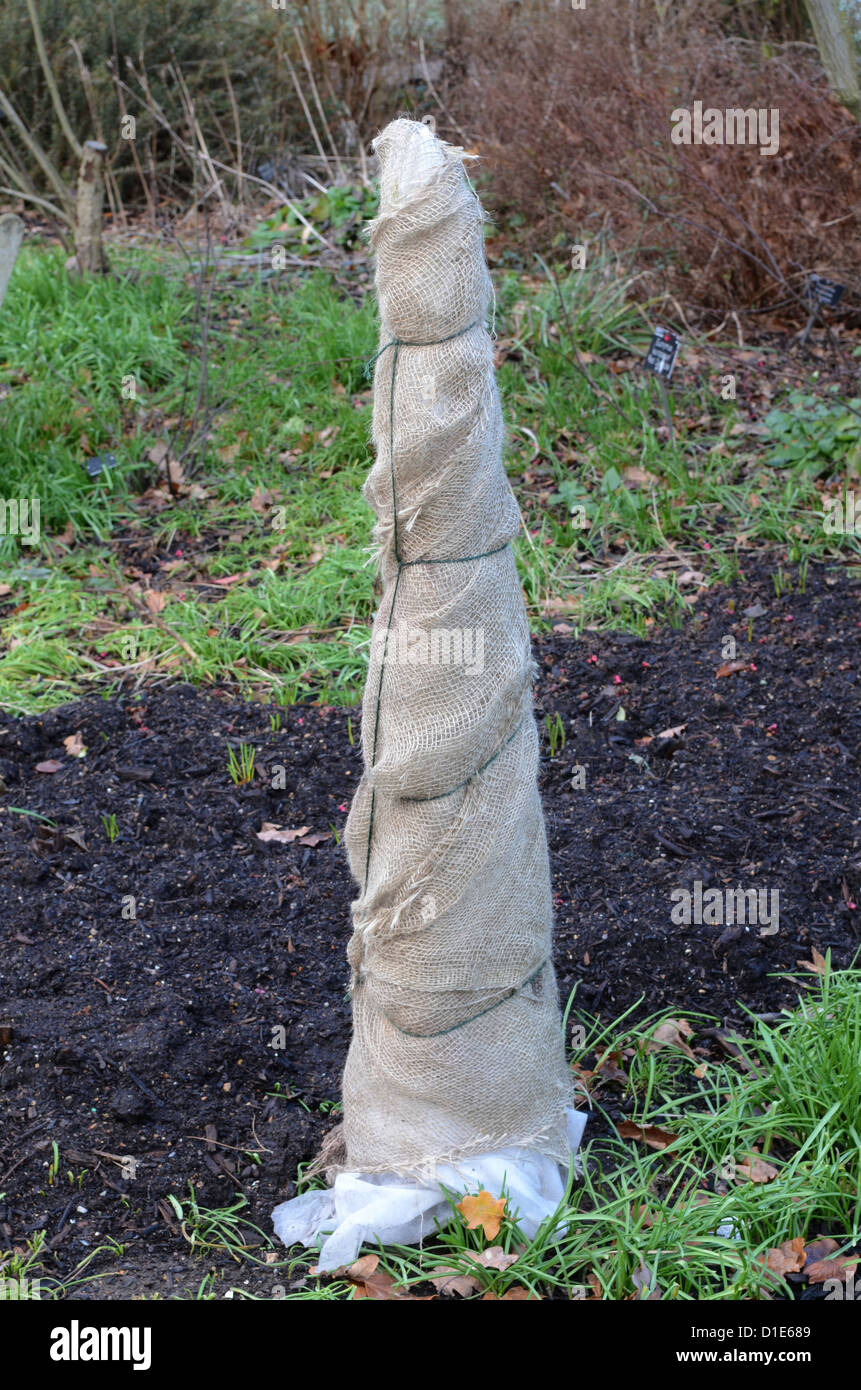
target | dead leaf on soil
[
  {"x": 262, "y": 499},
  {"x": 155, "y": 600},
  {"x": 639, "y": 475},
  {"x": 362, "y": 1268},
  {"x": 382, "y": 1288},
  {"x": 157, "y": 453},
  {"x": 787, "y": 1258},
  {"x": 494, "y": 1257},
  {"x": 673, "y": 733},
  {"x": 370, "y": 1282},
  {"x": 74, "y": 746},
  {"x": 168, "y": 466},
  {"x": 270, "y": 833},
  {"x": 730, "y": 668},
  {"x": 653, "y": 1135},
  {"x": 453, "y": 1281},
  {"x": 817, "y": 966},
  {"x": 820, "y": 1270},
  {"x": 669, "y": 1034},
  {"x": 557, "y": 607},
  {"x": 231, "y": 579},
  {"x": 642, "y": 1279},
  {"x": 754, "y": 1169},
  {"x": 610, "y": 1068},
  {"x": 818, "y": 1249}
]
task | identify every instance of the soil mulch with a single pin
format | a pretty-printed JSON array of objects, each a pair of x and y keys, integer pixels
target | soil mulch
[{"x": 145, "y": 980}]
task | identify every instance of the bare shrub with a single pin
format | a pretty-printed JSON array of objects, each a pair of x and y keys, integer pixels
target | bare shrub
[{"x": 572, "y": 113}]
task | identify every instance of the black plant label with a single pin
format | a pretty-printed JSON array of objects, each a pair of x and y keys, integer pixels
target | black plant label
[
  {"x": 825, "y": 292},
  {"x": 663, "y": 351}
]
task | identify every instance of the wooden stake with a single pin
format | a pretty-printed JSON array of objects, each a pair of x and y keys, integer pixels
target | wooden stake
[{"x": 89, "y": 251}]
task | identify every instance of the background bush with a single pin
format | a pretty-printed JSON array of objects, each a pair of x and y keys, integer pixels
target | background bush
[{"x": 568, "y": 109}]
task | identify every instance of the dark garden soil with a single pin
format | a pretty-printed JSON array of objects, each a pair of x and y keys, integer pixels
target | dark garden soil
[{"x": 144, "y": 1030}]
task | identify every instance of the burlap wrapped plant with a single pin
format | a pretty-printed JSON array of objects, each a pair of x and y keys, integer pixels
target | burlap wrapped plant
[{"x": 457, "y": 1052}]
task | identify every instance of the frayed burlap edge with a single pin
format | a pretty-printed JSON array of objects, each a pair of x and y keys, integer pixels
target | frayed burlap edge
[{"x": 331, "y": 1160}]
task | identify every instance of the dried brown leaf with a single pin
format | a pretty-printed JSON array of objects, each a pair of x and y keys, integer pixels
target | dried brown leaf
[
  {"x": 754, "y": 1169},
  {"x": 820, "y": 1270},
  {"x": 653, "y": 1135}
]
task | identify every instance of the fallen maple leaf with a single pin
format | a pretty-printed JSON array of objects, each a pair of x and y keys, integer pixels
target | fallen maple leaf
[
  {"x": 370, "y": 1282},
  {"x": 271, "y": 833},
  {"x": 653, "y": 1135},
  {"x": 609, "y": 1068},
  {"x": 229, "y": 579},
  {"x": 361, "y": 1268},
  {"x": 453, "y": 1281},
  {"x": 820, "y": 1270},
  {"x": 382, "y": 1287},
  {"x": 639, "y": 475},
  {"x": 483, "y": 1210},
  {"x": 74, "y": 746},
  {"x": 819, "y": 1248},
  {"x": 787, "y": 1258},
  {"x": 155, "y": 600},
  {"x": 262, "y": 499},
  {"x": 669, "y": 1034},
  {"x": 817, "y": 966},
  {"x": 157, "y": 453},
  {"x": 754, "y": 1169},
  {"x": 494, "y": 1257},
  {"x": 555, "y": 607}
]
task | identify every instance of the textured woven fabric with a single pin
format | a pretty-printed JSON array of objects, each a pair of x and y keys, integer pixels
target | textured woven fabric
[
  {"x": 457, "y": 1042},
  {"x": 384, "y": 1209}
]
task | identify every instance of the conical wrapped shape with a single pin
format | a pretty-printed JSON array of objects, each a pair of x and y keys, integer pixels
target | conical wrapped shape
[{"x": 457, "y": 1042}]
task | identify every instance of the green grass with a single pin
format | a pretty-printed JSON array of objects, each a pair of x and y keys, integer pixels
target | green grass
[
  {"x": 685, "y": 1222},
  {"x": 686, "y": 1219},
  {"x": 31, "y": 1271},
  {"x": 262, "y": 565}
]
